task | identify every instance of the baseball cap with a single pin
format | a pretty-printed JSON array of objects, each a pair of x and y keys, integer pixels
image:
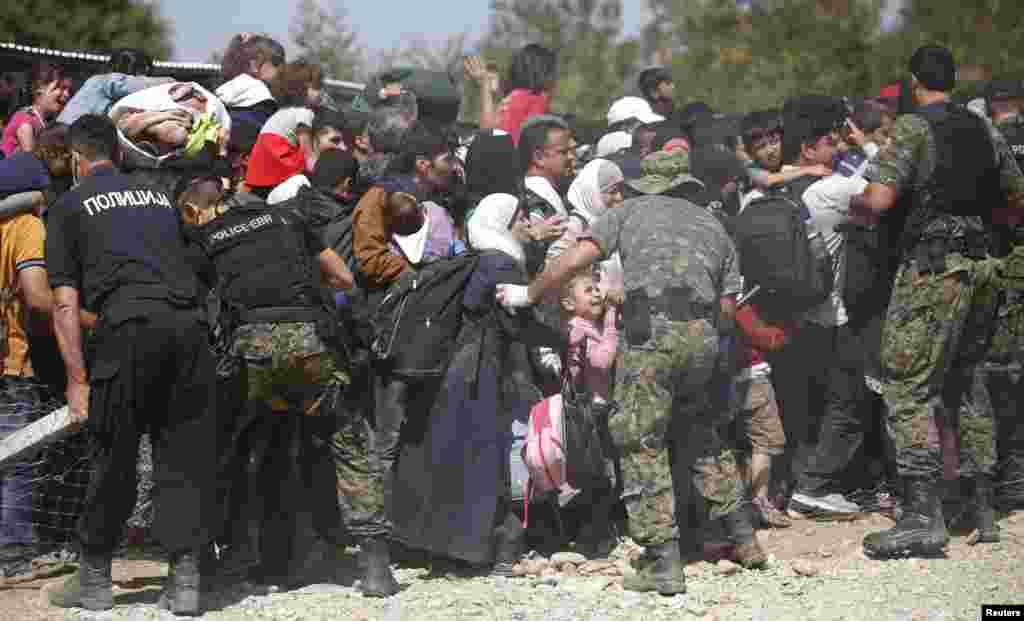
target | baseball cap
[
  {"x": 632, "y": 108},
  {"x": 663, "y": 171}
]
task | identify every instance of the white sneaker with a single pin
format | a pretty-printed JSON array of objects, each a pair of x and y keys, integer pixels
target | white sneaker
[{"x": 832, "y": 504}]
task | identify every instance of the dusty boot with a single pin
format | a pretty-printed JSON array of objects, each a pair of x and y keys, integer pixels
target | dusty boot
[
  {"x": 375, "y": 559},
  {"x": 659, "y": 569},
  {"x": 90, "y": 587},
  {"x": 739, "y": 525},
  {"x": 984, "y": 510},
  {"x": 921, "y": 530},
  {"x": 508, "y": 545},
  {"x": 181, "y": 591}
]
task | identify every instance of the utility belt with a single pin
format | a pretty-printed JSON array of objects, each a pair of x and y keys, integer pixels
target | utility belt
[
  {"x": 930, "y": 253},
  {"x": 327, "y": 324},
  {"x": 279, "y": 314},
  {"x": 674, "y": 304}
]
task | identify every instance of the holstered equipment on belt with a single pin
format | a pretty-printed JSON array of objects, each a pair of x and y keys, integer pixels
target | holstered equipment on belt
[{"x": 674, "y": 303}]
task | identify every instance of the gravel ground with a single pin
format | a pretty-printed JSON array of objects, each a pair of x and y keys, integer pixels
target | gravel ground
[{"x": 817, "y": 572}]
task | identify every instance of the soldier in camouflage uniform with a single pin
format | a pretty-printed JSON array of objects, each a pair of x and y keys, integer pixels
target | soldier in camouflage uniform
[
  {"x": 999, "y": 383},
  {"x": 682, "y": 274},
  {"x": 939, "y": 323}
]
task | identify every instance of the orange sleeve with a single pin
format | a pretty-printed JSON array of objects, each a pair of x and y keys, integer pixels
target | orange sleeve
[
  {"x": 370, "y": 242},
  {"x": 28, "y": 249}
]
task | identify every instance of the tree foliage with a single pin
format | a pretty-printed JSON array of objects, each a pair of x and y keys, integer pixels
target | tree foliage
[
  {"x": 984, "y": 35},
  {"x": 735, "y": 60},
  {"x": 324, "y": 36},
  {"x": 446, "y": 55},
  {"x": 594, "y": 58},
  {"x": 94, "y": 25},
  {"x": 740, "y": 60}
]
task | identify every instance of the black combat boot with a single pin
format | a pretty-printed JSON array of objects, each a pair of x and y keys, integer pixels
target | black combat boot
[
  {"x": 375, "y": 559},
  {"x": 90, "y": 587},
  {"x": 921, "y": 530},
  {"x": 739, "y": 524},
  {"x": 660, "y": 569},
  {"x": 181, "y": 591},
  {"x": 509, "y": 538},
  {"x": 984, "y": 509}
]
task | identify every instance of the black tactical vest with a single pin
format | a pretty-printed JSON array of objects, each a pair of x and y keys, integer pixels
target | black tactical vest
[{"x": 262, "y": 258}]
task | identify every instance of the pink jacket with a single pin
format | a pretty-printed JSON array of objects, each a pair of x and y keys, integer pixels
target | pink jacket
[{"x": 600, "y": 346}]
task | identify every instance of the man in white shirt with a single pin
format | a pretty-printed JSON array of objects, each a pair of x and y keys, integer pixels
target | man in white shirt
[{"x": 820, "y": 376}]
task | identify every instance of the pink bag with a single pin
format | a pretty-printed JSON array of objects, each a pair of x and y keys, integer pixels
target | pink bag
[{"x": 544, "y": 453}]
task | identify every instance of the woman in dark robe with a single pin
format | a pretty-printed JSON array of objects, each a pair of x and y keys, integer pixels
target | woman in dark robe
[{"x": 451, "y": 495}]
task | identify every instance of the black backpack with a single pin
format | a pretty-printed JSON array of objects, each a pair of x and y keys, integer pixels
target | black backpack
[
  {"x": 416, "y": 323},
  {"x": 793, "y": 269}
]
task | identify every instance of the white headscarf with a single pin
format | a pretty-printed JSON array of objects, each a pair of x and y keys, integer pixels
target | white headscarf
[
  {"x": 613, "y": 143},
  {"x": 488, "y": 227},
  {"x": 585, "y": 192}
]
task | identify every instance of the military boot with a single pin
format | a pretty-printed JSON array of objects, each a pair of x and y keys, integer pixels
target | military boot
[
  {"x": 181, "y": 592},
  {"x": 921, "y": 530},
  {"x": 375, "y": 559},
  {"x": 90, "y": 587},
  {"x": 660, "y": 569},
  {"x": 984, "y": 510},
  {"x": 739, "y": 524}
]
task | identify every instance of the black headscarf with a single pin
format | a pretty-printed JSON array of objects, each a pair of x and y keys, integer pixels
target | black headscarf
[{"x": 492, "y": 165}]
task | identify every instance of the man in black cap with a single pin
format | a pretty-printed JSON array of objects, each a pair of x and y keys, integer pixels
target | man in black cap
[
  {"x": 954, "y": 171},
  {"x": 117, "y": 247}
]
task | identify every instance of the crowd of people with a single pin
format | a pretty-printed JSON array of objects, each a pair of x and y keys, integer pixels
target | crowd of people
[{"x": 371, "y": 326}]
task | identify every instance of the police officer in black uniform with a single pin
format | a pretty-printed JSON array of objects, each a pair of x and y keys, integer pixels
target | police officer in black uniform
[
  {"x": 279, "y": 342},
  {"x": 117, "y": 248}
]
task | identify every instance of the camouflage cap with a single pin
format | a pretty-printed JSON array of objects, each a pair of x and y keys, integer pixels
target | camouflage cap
[{"x": 663, "y": 171}]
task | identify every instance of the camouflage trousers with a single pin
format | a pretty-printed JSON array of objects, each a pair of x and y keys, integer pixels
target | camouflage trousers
[
  {"x": 667, "y": 433},
  {"x": 999, "y": 380},
  {"x": 289, "y": 370},
  {"x": 938, "y": 329}
]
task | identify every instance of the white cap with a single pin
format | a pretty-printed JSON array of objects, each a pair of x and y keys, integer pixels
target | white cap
[{"x": 632, "y": 108}]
